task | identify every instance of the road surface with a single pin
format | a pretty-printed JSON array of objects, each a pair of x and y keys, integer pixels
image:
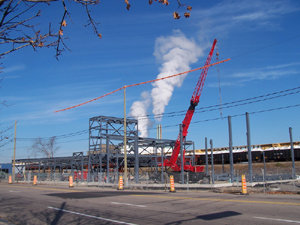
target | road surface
[{"x": 28, "y": 204}]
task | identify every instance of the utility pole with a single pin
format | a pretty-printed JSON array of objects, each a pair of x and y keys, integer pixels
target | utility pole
[
  {"x": 14, "y": 159},
  {"x": 125, "y": 140}
]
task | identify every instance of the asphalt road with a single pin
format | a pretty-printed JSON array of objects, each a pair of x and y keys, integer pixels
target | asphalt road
[{"x": 27, "y": 204}]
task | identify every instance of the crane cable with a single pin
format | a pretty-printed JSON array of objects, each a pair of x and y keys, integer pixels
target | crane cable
[
  {"x": 218, "y": 70},
  {"x": 145, "y": 82}
]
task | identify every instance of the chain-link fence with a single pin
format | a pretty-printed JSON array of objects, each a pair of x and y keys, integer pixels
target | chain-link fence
[
  {"x": 271, "y": 172},
  {"x": 4, "y": 177},
  {"x": 221, "y": 174}
]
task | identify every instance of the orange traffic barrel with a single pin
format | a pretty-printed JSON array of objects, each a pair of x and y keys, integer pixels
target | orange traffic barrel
[
  {"x": 121, "y": 183},
  {"x": 244, "y": 185},
  {"x": 71, "y": 181},
  {"x": 9, "y": 179},
  {"x": 34, "y": 179},
  {"x": 172, "y": 187}
]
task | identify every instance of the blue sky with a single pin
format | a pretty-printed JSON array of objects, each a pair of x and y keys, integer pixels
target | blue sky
[{"x": 261, "y": 37}]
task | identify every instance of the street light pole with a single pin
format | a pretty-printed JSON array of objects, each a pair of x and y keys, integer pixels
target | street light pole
[
  {"x": 125, "y": 140},
  {"x": 14, "y": 159}
]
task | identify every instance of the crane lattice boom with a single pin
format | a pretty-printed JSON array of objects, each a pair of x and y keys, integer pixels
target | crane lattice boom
[{"x": 172, "y": 162}]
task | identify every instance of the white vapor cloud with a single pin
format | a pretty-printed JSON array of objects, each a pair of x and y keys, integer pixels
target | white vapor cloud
[
  {"x": 14, "y": 68},
  {"x": 227, "y": 16},
  {"x": 139, "y": 110},
  {"x": 175, "y": 53}
]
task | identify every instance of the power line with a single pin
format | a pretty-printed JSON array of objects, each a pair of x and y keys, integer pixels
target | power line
[
  {"x": 199, "y": 121},
  {"x": 57, "y": 137},
  {"x": 6, "y": 143},
  {"x": 141, "y": 83},
  {"x": 218, "y": 118},
  {"x": 258, "y": 49},
  {"x": 10, "y": 149},
  {"x": 228, "y": 104},
  {"x": 180, "y": 113}
]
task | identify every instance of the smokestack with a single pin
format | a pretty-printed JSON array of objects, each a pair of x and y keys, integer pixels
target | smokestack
[{"x": 159, "y": 131}]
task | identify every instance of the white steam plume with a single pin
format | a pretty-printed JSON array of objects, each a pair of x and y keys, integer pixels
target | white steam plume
[
  {"x": 138, "y": 110},
  {"x": 175, "y": 53}
]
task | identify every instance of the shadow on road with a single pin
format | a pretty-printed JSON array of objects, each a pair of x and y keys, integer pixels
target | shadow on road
[
  {"x": 59, "y": 214},
  {"x": 208, "y": 217},
  {"x": 81, "y": 195}
]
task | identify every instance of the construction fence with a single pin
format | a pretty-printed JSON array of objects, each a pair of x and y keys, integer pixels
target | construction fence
[{"x": 220, "y": 174}]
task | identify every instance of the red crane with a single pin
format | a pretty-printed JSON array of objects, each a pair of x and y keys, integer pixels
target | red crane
[{"x": 172, "y": 162}]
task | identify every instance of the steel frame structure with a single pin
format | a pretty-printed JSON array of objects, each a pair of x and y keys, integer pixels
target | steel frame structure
[
  {"x": 106, "y": 152},
  {"x": 75, "y": 162},
  {"x": 106, "y": 135}
]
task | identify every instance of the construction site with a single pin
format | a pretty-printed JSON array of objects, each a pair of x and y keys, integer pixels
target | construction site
[{"x": 115, "y": 148}]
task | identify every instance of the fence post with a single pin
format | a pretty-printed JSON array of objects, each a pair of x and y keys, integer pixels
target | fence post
[
  {"x": 206, "y": 157},
  {"x": 162, "y": 165},
  {"x": 264, "y": 160},
  {"x": 264, "y": 180},
  {"x": 29, "y": 177},
  {"x": 187, "y": 182},
  {"x": 249, "y": 146},
  {"x": 292, "y": 153},
  {"x": 230, "y": 149},
  {"x": 147, "y": 180},
  {"x": 223, "y": 170},
  {"x": 212, "y": 162}
]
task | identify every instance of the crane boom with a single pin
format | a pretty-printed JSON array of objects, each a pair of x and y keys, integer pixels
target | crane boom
[{"x": 172, "y": 162}]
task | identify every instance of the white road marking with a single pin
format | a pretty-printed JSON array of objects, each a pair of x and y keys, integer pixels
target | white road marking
[
  {"x": 288, "y": 221},
  {"x": 15, "y": 191},
  {"x": 119, "y": 203},
  {"x": 95, "y": 217}
]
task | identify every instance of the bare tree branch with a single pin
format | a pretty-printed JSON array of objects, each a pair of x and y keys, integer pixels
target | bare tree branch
[
  {"x": 46, "y": 148},
  {"x": 17, "y": 39},
  {"x": 41, "y": 1},
  {"x": 17, "y": 31},
  {"x": 92, "y": 22},
  {"x": 5, "y": 137}
]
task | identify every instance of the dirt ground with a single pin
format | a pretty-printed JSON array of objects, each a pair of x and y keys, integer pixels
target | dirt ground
[
  {"x": 272, "y": 168},
  {"x": 284, "y": 187}
]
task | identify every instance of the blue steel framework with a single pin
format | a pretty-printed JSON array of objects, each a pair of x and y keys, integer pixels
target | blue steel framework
[{"x": 106, "y": 135}]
